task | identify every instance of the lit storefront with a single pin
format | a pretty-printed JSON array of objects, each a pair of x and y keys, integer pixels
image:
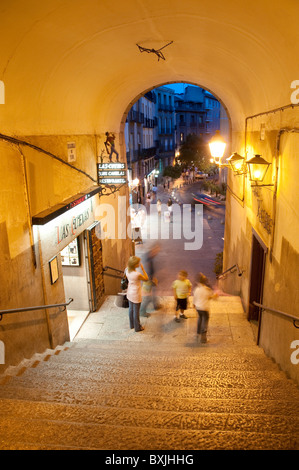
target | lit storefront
[{"x": 70, "y": 250}]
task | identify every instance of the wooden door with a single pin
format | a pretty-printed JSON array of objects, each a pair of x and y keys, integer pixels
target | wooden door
[
  {"x": 258, "y": 258},
  {"x": 95, "y": 266}
]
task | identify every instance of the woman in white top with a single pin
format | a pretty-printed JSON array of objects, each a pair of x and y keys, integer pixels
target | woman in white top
[
  {"x": 201, "y": 300},
  {"x": 134, "y": 292}
]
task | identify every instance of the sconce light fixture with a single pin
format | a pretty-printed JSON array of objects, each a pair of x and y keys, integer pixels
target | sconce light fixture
[
  {"x": 217, "y": 147},
  {"x": 237, "y": 164},
  {"x": 257, "y": 167}
]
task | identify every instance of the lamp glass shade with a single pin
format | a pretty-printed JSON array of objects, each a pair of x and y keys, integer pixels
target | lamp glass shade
[
  {"x": 217, "y": 147},
  {"x": 237, "y": 163},
  {"x": 258, "y": 167}
]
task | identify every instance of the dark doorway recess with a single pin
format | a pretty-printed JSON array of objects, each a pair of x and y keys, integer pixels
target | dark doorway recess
[{"x": 258, "y": 260}]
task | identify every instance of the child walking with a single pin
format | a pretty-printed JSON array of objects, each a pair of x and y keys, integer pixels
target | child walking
[
  {"x": 181, "y": 290},
  {"x": 201, "y": 299}
]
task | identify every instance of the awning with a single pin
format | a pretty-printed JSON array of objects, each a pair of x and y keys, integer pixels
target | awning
[{"x": 49, "y": 214}]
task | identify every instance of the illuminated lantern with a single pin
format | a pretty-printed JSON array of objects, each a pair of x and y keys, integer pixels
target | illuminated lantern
[
  {"x": 257, "y": 167},
  {"x": 237, "y": 164},
  {"x": 217, "y": 147}
]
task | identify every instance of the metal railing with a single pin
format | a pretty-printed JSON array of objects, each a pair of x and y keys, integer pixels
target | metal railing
[
  {"x": 283, "y": 314},
  {"x": 29, "y": 309},
  {"x": 232, "y": 269},
  {"x": 119, "y": 271}
]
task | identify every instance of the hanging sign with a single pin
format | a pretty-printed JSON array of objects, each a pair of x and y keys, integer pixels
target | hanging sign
[{"x": 112, "y": 173}]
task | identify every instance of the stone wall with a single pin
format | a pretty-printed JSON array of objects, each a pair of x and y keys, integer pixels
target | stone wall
[
  {"x": 32, "y": 181},
  {"x": 280, "y": 237}
]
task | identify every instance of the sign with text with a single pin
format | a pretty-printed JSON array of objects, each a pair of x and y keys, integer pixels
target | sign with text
[
  {"x": 59, "y": 232},
  {"x": 112, "y": 173},
  {"x": 71, "y": 152}
]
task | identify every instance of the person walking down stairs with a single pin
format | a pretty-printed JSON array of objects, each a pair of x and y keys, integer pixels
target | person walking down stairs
[
  {"x": 201, "y": 301},
  {"x": 134, "y": 292}
]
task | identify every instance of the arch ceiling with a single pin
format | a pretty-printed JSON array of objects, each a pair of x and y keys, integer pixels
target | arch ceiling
[{"x": 73, "y": 67}]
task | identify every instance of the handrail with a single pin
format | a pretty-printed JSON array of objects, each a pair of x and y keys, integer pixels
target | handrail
[
  {"x": 230, "y": 270},
  {"x": 28, "y": 309},
  {"x": 284, "y": 314},
  {"x": 105, "y": 268}
]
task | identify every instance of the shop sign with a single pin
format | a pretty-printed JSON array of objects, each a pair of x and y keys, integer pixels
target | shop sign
[
  {"x": 59, "y": 232},
  {"x": 69, "y": 228},
  {"x": 112, "y": 173}
]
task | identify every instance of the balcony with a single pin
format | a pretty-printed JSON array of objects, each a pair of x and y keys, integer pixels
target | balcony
[
  {"x": 166, "y": 107},
  {"x": 135, "y": 116},
  {"x": 149, "y": 123}
]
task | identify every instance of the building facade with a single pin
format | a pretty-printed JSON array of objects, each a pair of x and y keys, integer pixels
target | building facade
[
  {"x": 190, "y": 114},
  {"x": 52, "y": 239},
  {"x": 165, "y": 133},
  {"x": 140, "y": 137}
]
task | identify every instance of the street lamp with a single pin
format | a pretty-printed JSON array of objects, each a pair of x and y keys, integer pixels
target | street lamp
[
  {"x": 217, "y": 147},
  {"x": 257, "y": 167}
]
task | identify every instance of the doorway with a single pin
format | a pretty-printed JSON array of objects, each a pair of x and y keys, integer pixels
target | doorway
[
  {"x": 74, "y": 269},
  {"x": 82, "y": 269},
  {"x": 258, "y": 260}
]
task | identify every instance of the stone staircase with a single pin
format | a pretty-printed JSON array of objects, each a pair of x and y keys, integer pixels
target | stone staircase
[{"x": 155, "y": 390}]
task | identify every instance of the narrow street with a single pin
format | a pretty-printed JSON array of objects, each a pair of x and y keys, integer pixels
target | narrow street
[{"x": 173, "y": 256}]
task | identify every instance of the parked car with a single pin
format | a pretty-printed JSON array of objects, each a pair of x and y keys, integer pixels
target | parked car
[{"x": 201, "y": 175}]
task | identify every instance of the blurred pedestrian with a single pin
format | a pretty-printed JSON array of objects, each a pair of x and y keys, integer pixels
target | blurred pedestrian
[
  {"x": 151, "y": 268},
  {"x": 181, "y": 290},
  {"x": 201, "y": 300},
  {"x": 159, "y": 207},
  {"x": 134, "y": 294},
  {"x": 147, "y": 296},
  {"x": 169, "y": 205}
]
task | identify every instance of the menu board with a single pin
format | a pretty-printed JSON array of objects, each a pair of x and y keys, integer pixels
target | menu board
[{"x": 70, "y": 255}]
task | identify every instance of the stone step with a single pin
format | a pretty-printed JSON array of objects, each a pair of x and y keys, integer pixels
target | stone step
[
  {"x": 104, "y": 368},
  {"x": 186, "y": 420},
  {"x": 286, "y": 407},
  {"x": 134, "y": 377},
  {"x": 153, "y": 349},
  {"x": 129, "y": 359},
  {"x": 64, "y": 434},
  {"x": 81, "y": 392}
]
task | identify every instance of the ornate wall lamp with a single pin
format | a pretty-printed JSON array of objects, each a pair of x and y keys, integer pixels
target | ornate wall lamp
[
  {"x": 237, "y": 163},
  {"x": 257, "y": 169}
]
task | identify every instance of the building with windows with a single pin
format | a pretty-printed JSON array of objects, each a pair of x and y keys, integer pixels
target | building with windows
[
  {"x": 197, "y": 112},
  {"x": 141, "y": 144},
  {"x": 165, "y": 132},
  {"x": 190, "y": 114}
]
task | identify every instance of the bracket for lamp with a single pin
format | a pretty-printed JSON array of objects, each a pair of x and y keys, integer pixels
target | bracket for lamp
[{"x": 158, "y": 52}]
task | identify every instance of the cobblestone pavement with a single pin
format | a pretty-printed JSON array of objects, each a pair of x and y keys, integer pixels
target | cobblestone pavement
[{"x": 173, "y": 256}]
